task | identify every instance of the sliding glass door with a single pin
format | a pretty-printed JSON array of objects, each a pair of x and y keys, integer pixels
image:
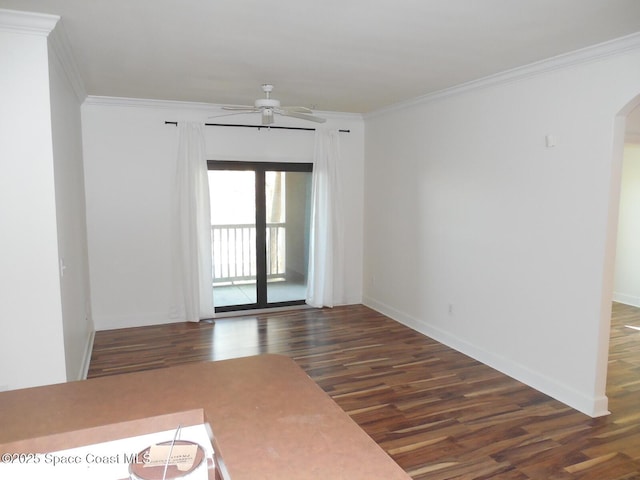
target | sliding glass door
[
  {"x": 233, "y": 234},
  {"x": 260, "y": 232}
]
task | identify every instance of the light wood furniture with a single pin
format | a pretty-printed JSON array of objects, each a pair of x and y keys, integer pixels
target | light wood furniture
[{"x": 269, "y": 419}]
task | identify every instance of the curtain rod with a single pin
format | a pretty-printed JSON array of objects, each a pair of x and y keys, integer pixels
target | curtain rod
[{"x": 255, "y": 126}]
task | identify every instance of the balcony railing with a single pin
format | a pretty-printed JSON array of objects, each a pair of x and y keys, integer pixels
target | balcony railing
[{"x": 234, "y": 251}]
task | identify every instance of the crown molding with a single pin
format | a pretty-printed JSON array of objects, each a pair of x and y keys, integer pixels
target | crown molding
[
  {"x": 50, "y": 26},
  {"x": 14, "y": 21},
  {"x": 60, "y": 48},
  {"x": 339, "y": 115},
  {"x": 183, "y": 105},
  {"x": 147, "y": 103},
  {"x": 584, "y": 55}
]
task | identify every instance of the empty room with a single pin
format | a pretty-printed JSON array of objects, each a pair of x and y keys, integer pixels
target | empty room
[{"x": 361, "y": 239}]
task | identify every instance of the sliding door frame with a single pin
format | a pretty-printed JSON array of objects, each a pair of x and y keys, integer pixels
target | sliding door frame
[{"x": 260, "y": 169}]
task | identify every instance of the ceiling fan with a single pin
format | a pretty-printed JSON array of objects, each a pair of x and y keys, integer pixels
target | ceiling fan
[{"x": 268, "y": 106}]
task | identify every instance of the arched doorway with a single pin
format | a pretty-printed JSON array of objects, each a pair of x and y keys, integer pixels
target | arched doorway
[{"x": 621, "y": 132}]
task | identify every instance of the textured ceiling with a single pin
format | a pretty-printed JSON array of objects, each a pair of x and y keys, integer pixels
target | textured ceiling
[{"x": 336, "y": 55}]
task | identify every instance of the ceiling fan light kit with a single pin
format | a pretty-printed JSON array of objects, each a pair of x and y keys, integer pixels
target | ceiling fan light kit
[
  {"x": 268, "y": 106},
  {"x": 267, "y": 116}
]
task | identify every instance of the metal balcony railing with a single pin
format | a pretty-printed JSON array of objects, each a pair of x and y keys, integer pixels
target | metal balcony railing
[{"x": 234, "y": 251}]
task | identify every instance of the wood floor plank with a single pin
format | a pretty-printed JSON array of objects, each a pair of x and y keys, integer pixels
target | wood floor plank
[{"x": 440, "y": 414}]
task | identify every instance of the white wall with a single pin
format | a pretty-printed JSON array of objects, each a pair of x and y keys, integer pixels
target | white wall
[
  {"x": 31, "y": 343},
  {"x": 66, "y": 98},
  {"x": 627, "y": 279},
  {"x": 480, "y": 236},
  {"x": 129, "y": 161}
]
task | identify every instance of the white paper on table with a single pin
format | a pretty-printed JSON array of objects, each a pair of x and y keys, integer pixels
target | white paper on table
[{"x": 101, "y": 461}]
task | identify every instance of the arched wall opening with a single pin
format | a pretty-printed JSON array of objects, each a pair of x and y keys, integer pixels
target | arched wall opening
[{"x": 620, "y": 134}]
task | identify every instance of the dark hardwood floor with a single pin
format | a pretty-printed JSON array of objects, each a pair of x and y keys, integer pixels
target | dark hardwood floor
[{"x": 438, "y": 413}]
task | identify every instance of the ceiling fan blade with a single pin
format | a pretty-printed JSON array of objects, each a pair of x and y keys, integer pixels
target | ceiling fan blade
[
  {"x": 237, "y": 112},
  {"x": 247, "y": 108},
  {"x": 303, "y": 116},
  {"x": 297, "y": 109}
]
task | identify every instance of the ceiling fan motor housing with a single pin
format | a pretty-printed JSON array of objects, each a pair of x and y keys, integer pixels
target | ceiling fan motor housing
[{"x": 267, "y": 103}]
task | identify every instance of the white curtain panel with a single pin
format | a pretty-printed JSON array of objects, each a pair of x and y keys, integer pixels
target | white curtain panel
[
  {"x": 326, "y": 247},
  {"x": 191, "y": 229}
]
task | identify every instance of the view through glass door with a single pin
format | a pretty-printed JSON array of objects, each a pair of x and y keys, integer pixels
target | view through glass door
[{"x": 260, "y": 214}]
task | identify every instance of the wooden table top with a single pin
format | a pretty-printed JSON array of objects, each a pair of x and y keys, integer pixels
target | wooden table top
[{"x": 269, "y": 419}]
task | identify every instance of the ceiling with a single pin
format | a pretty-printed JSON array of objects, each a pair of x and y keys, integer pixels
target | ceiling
[{"x": 332, "y": 55}]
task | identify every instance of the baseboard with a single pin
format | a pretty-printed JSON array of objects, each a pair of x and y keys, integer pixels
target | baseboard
[
  {"x": 86, "y": 360},
  {"x": 632, "y": 300},
  {"x": 114, "y": 322},
  {"x": 127, "y": 321},
  {"x": 589, "y": 405},
  {"x": 256, "y": 311}
]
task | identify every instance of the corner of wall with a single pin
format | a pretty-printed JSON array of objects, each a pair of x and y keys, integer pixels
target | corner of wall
[
  {"x": 60, "y": 49},
  {"x": 86, "y": 359}
]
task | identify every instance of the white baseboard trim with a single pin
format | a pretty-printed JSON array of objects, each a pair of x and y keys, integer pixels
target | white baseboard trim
[
  {"x": 146, "y": 320},
  {"x": 632, "y": 300},
  {"x": 115, "y": 322},
  {"x": 589, "y": 405},
  {"x": 86, "y": 359},
  {"x": 256, "y": 311}
]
